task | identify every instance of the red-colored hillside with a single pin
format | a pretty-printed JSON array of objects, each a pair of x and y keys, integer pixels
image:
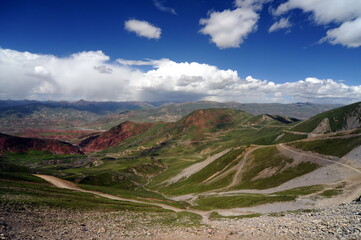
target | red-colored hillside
[
  {"x": 14, "y": 144},
  {"x": 114, "y": 136},
  {"x": 205, "y": 118}
]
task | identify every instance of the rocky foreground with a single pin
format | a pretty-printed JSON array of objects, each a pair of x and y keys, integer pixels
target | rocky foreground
[{"x": 340, "y": 222}]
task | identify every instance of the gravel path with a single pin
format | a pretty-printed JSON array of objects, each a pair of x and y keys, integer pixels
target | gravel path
[
  {"x": 320, "y": 158},
  {"x": 339, "y": 222},
  {"x": 353, "y": 157},
  {"x": 238, "y": 168}
]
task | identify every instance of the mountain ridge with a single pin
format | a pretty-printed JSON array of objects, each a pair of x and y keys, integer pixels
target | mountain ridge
[{"x": 222, "y": 160}]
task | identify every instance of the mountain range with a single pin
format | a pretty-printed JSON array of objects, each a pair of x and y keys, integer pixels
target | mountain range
[
  {"x": 27, "y": 117},
  {"x": 212, "y": 159}
]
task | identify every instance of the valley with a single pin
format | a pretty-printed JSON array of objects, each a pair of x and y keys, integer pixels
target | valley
[{"x": 210, "y": 167}]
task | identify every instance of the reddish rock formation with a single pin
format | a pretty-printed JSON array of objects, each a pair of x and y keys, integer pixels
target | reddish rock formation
[
  {"x": 14, "y": 144},
  {"x": 205, "y": 118},
  {"x": 114, "y": 136}
]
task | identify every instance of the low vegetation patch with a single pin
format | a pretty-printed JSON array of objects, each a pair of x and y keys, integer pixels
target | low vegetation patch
[
  {"x": 239, "y": 201},
  {"x": 289, "y": 137},
  {"x": 32, "y": 157},
  {"x": 279, "y": 177},
  {"x": 20, "y": 176},
  {"x": 138, "y": 194},
  {"x": 331, "y": 193},
  {"x": 249, "y": 200},
  {"x": 39, "y": 194},
  {"x": 176, "y": 219},
  {"x": 300, "y": 191},
  {"x": 216, "y": 215}
]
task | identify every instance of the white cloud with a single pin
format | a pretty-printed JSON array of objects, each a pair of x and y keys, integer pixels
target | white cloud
[
  {"x": 254, "y": 4},
  {"x": 37, "y": 76},
  {"x": 229, "y": 28},
  {"x": 82, "y": 75},
  {"x": 143, "y": 29},
  {"x": 325, "y": 11},
  {"x": 159, "y": 4},
  {"x": 281, "y": 24},
  {"x": 41, "y": 71},
  {"x": 189, "y": 77},
  {"x": 322, "y": 90},
  {"x": 347, "y": 13},
  {"x": 348, "y": 34}
]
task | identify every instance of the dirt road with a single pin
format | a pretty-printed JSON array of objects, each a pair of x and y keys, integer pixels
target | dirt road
[
  {"x": 60, "y": 183},
  {"x": 320, "y": 158}
]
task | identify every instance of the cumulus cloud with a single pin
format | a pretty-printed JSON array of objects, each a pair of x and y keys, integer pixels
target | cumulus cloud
[
  {"x": 229, "y": 28},
  {"x": 38, "y": 76},
  {"x": 281, "y": 24},
  {"x": 159, "y": 4},
  {"x": 324, "y": 11},
  {"x": 348, "y": 34},
  {"x": 143, "y": 29},
  {"x": 189, "y": 77},
  {"x": 93, "y": 76},
  {"x": 322, "y": 90},
  {"x": 346, "y": 13}
]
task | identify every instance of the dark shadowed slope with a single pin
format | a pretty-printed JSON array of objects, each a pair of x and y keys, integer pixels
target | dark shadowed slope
[
  {"x": 114, "y": 136},
  {"x": 14, "y": 144}
]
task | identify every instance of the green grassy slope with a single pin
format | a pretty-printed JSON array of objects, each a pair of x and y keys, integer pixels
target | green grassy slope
[
  {"x": 21, "y": 188},
  {"x": 267, "y": 168},
  {"x": 337, "y": 118},
  {"x": 336, "y": 147},
  {"x": 196, "y": 182},
  {"x": 139, "y": 166}
]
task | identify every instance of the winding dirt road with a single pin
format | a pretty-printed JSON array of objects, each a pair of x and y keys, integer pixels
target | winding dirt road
[
  {"x": 325, "y": 175},
  {"x": 356, "y": 190},
  {"x": 320, "y": 158},
  {"x": 60, "y": 183}
]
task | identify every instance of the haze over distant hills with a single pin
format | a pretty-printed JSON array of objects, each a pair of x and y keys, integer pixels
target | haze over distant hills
[{"x": 21, "y": 115}]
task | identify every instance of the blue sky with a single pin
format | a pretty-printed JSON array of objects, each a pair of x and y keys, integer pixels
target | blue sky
[{"x": 189, "y": 50}]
